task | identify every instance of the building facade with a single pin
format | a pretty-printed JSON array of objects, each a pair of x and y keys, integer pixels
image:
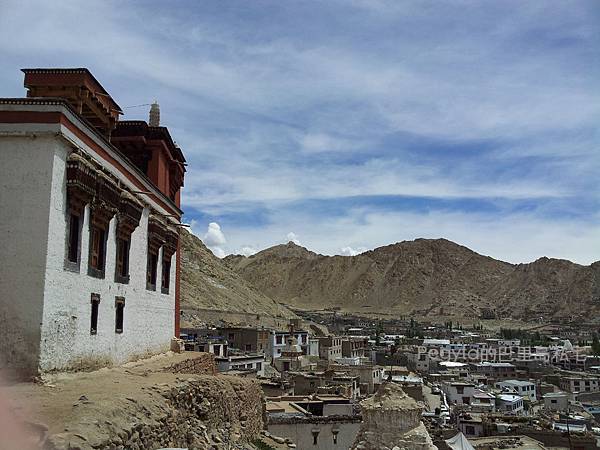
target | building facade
[
  {"x": 354, "y": 347},
  {"x": 247, "y": 339},
  {"x": 279, "y": 340},
  {"x": 330, "y": 347},
  {"x": 580, "y": 384},
  {"x": 90, "y": 227},
  {"x": 525, "y": 389}
]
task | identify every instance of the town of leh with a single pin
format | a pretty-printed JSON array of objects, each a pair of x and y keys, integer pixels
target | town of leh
[{"x": 299, "y": 224}]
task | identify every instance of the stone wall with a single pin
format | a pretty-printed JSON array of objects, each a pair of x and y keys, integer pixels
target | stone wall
[
  {"x": 203, "y": 412},
  {"x": 203, "y": 364}
]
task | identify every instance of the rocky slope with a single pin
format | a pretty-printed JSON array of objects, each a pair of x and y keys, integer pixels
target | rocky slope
[
  {"x": 211, "y": 291},
  {"x": 422, "y": 277}
]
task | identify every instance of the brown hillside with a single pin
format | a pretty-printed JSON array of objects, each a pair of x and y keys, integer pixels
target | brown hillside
[
  {"x": 422, "y": 277},
  {"x": 210, "y": 289}
]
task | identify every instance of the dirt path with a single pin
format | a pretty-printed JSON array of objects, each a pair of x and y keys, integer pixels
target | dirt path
[{"x": 88, "y": 398}]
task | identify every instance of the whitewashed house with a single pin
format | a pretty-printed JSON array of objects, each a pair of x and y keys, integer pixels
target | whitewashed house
[{"x": 525, "y": 389}]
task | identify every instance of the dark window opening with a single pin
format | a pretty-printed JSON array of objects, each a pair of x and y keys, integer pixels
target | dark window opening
[
  {"x": 119, "y": 314},
  {"x": 151, "y": 271},
  {"x": 248, "y": 347},
  {"x": 166, "y": 276},
  {"x": 315, "y": 434},
  {"x": 122, "y": 267},
  {"x": 94, "y": 317},
  {"x": 73, "y": 251},
  {"x": 97, "y": 251}
]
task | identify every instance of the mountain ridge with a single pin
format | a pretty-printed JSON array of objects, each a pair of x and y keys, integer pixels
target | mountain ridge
[{"x": 423, "y": 276}]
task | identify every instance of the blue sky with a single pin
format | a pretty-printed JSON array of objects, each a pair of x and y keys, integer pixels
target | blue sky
[{"x": 351, "y": 124}]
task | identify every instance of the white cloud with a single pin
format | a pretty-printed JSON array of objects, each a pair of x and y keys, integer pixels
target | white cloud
[
  {"x": 323, "y": 142},
  {"x": 213, "y": 238},
  {"x": 293, "y": 237},
  {"x": 247, "y": 250},
  {"x": 349, "y": 251},
  {"x": 218, "y": 252}
]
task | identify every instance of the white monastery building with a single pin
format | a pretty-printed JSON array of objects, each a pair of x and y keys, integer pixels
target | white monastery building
[{"x": 89, "y": 230}]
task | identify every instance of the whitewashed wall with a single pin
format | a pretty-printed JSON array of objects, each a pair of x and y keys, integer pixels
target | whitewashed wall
[
  {"x": 25, "y": 178},
  {"x": 301, "y": 434},
  {"x": 149, "y": 317}
]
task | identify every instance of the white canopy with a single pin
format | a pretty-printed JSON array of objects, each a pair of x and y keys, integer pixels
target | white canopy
[{"x": 459, "y": 442}]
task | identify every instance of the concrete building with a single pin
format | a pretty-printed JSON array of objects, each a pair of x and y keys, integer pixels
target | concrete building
[
  {"x": 496, "y": 370},
  {"x": 252, "y": 362},
  {"x": 371, "y": 376},
  {"x": 330, "y": 347},
  {"x": 483, "y": 402},
  {"x": 204, "y": 340},
  {"x": 291, "y": 356},
  {"x": 470, "y": 425},
  {"x": 525, "y": 389},
  {"x": 458, "y": 392},
  {"x": 556, "y": 401},
  {"x": 418, "y": 361},
  {"x": 354, "y": 347},
  {"x": 510, "y": 404},
  {"x": 279, "y": 341},
  {"x": 581, "y": 383},
  {"x": 327, "y": 382},
  {"x": 89, "y": 228},
  {"x": 254, "y": 340}
]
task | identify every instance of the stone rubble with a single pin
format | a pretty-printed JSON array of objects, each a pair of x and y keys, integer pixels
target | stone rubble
[{"x": 200, "y": 413}]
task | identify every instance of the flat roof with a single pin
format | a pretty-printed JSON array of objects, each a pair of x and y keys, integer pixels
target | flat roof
[
  {"x": 494, "y": 364},
  {"x": 452, "y": 364},
  {"x": 516, "y": 382},
  {"x": 555, "y": 394},
  {"x": 509, "y": 397}
]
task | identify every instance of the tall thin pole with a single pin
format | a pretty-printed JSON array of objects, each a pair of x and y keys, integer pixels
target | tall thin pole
[{"x": 568, "y": 430}]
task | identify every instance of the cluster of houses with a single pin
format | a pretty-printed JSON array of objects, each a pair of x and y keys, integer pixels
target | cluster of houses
[
  {"x": 482, "y": 387},
  {"x": 495, "y": 387}
]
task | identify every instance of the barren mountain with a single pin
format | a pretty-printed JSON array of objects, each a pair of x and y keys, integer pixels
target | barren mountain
[
  {"x": 211, "y": 291},
  {"x": 422, "y": 277}
]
